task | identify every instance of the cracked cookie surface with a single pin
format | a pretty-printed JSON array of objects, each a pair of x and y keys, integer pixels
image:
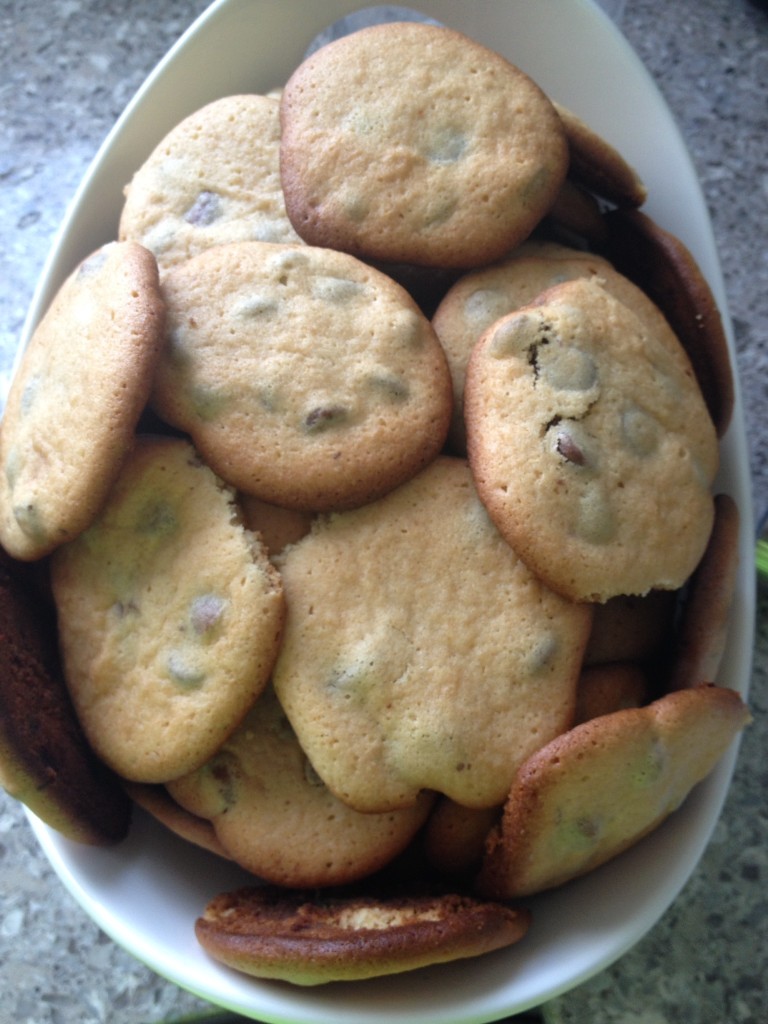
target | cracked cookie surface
[{"x": 591, "y": 445}]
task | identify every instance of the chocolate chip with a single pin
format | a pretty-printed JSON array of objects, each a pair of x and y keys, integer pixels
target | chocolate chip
[
  {"x": 205, "y": 210},
  {"x": 567, "y": 447},
  {"x": 322, "y": 417}
]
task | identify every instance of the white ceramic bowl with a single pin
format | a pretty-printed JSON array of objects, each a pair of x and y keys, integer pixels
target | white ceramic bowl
[{"x": 147, "y": 893}]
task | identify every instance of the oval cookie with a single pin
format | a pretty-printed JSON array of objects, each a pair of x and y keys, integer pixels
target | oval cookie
[
  {"x": 170, "y": 616},
  {"x": 293, "y": 936},
  {"x": 591, "y": 793},
  {"x": 274, "y": 816},
  {"x": 589, "y": 441},
  {"x": 304, "y": 377},
  {"x": 412, "y": 143},
  {"x": 76, "y": 398}
]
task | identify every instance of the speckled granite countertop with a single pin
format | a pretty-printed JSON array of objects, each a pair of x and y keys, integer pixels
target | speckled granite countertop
[{"x": 68, "y": 69}]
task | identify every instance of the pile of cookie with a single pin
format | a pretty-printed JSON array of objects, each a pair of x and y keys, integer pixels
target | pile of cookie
[{"x": 358, "y": 517}]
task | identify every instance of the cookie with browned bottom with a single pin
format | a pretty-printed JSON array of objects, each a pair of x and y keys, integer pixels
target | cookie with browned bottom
[
  {"x": 390, "y": 148},
  {"x": 594, "y": 791},
  {"x": 45, "y": 759},
  {"x": 76, "y": 398},
  {"x": 306, "y": 940},
  {"x": 272, "y": 813}
]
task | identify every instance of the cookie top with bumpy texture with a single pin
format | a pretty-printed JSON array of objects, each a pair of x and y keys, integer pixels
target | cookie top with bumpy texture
[
  {"x": 395, "y": 683},
  {"x": 275, "y": 817},
  {"x": 170, "y": 615},
  {"x": 213, "y": 179},
  {"x": 412, "y": 143},
  {"x": 590, "y": 444},
  {"x": 594, "y": 791},
  {"x": 76, "y": 398},
  {"x": 304, "y": 377}
]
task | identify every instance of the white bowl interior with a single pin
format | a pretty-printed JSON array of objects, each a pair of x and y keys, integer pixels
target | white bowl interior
[{"x": 147, "y": 893}]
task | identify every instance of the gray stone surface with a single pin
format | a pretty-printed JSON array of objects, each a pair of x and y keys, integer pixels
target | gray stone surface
[{"x": 68, "y": 69}]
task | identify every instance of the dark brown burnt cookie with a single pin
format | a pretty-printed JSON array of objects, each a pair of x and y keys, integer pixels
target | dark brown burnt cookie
[{"x": 45, "y": 761}]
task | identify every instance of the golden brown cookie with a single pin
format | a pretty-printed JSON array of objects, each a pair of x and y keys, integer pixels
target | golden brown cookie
[
  {"x": 299, "y": 938},
  {"x": 390, "y": 148},
  {"x": 214, "y": 178},
  {"x": 419, "y": 652},
  {"x": 157, "y": 802},
  {"x": 273, "y": 815},
  {"x": 304, "y": 377},
  {"x": 170, "y": 615},
  {"x": 589, "y": 440},
  {"x": 76, "y": 398},
  {"x": 594, "y": 791}
]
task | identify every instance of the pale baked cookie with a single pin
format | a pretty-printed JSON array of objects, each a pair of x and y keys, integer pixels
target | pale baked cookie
[
  {"x": 419, "y": 652},
  {"x": 276, "y": 818},
  {"x": 304, "y": 377},
  {"x": 598, "y": 165},
  {"x": 214, "y": 178},
  {"x": 76, "y": 397},
  {"x": 170, "y": 615},
  {"x": 707, "y": 602},
  {"x": 45, "y": 760},
  {"x": 390, "y": 148},
  {"x": 662, "y": 265},
  {"x": 591, "y": 793},
  {"x": 590, "y": 442},
  {"x": 270, "y": 932}
]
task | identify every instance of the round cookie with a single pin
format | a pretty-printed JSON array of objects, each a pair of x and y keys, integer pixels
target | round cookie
[
  {"x": 276, "y": 933},
  {"x": 304, "y": 377},
  {"x": 76, "y": 397},
  {"x": 594, "y": 791},
  {"x": 275, "y": 817},
  {"x": 213, "y": 179},
  {"x": 45, "y": 759},
  {"x": 170, "y": 616},
  {"x": 589, "y": 441},
  {"x": 412, "y": 143},
  {"x": 419, "y": 652}
]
